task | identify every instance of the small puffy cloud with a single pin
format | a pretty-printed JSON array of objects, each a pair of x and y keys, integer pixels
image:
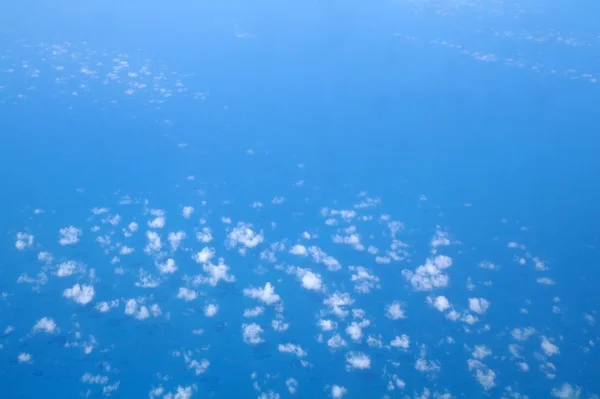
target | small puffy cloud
[
  {"x": 430, "y": 275},
  {"x": 548, "y": 347},
  {"x": 338, "y": 391},
  {"x": 567, "y": 391},
  {"x": 292, "y": 348},
  {"x": 65, "y": 269},
  {"x": 154, "y": 242},
  {"x": 24, "y": 240},
  {"x": 478, "y": 305},
  {"x": 327, "y": 325},
  {"x": 139, "y": 311},
  {"x": 484, "y": 375},
  {"x": 210, "y": 310},
  {"x": 204, "y": 235},
  {"x": 105, "y": 306},
  {"x": 81, "y": 294},
  {"x": 187, "y": 211},
  {"x": 277, "y": 200},
  {"x": 133, "y": 227},
  {"x": 125, "y": 250},
  {"x": 336, "y": 341},
  {"x": 338, "y": 302},
  {"x": 69, "y": 235},
  {"x": 394, "y": 311},
  {"x": 254, "y": 312},
  {"x": 251, "y": 333},
  {"x": 440, "y": 239},
  {"x": 215, "y": 273},
  {"x": 299, "y": 250},
  {"x": 24, "y": 357},
  {"x": 205, "y": 255},
  {"x": 321, "y": 257},
  {"x": 309, "y": 280},
  {"x": 545, "y": 281},
  {"x": 357, "y": 361},
  {"x": 243, "y": 235},
  {"x": 522, "y": 334},
  {"x": 175, "y": 239},
  {"x": 186, "y": 294},
  {"x": 168, "y": 267},
  {"x": 159, "y": 221},
  {"x": 45, "y": 324},
  {"x": 402, "y": 341},
  {"x": 363, "y": 280},
  {"x": 266, "y": 295},
  {"x": 441, "y": 303},
  {"x": 481, "y": 352},
  {"x": 487, "y": 265},
  {"x": 354, "y": 330},
  {"x": 292, "y": 385}
]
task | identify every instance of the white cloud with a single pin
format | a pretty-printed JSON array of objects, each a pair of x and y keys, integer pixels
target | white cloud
[
  {"x": 251, "y": 333},
  {"x": 125, "y": 250},
  {"x": 24, "y": 240},
  {"x": 69, "y": 235},
  {"x": 337, "y": 302},
  {"x": 277, "y": 200},
  {"x": 133, "y": 227},
  {"x": 157, "y": 223},
  {"x": 440, "y": 239},
  {"x": 545, "y": 281},
  {"x": 548, "y": 347},
  {"x": 429, "y": 276},
  {"x": 402, "y": 341},
  {"x": 216, "y": 273},
  {"x": 309, "y": 280},
  {"x": 299, "y": 250},
  {"x": 567, "y": 391},
  {"x": 327, "y": 325},
  {"x": 354, "y": 330},
  {"x": 357, "y": 361},
  {"x": 187, "y": 211},
  {"x": 441, "y": 303},
  {"x": 487, "y": 265},
  {"x": 210, "y": 310},
  {"x": 24, "y": 357},
  {"x": 154, "y": 242},
  {"x": 291, "y": 348},
  {"x": 481, "y": 352},
  {"x": 175, "y": 239},
  {"x": 243, "y": 235},
  {"x": 169, "y": 267},
  {"x": 522, "y": 334},
  {"x": 66, "y": 269},
  {"x": 321, "y": 257},
  {"x": 205, "y": 255},
  {"x": 394, "y": 311},
  {"x": 105, "y": 306},
  {"x": 336, "y": 341},
  {"x": 254, "y": 312},
  {"x": 205, "y": 235},
  {"x": 99, "y": 211},
  {"x": 363, "y": 280},
  {"x": 81, "y": 294},
  {"x": 292, "y": 385},
  {"x": 266, "y": 294},
  {"x": 186, "y": 294},
  {"x": 478, "y": 305},
  {"x": 45, "y": 324},
  {"x": 338, "y": 391}
]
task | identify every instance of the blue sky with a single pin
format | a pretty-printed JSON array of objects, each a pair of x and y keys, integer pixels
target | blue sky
[{"x": 310, "y": 199}]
